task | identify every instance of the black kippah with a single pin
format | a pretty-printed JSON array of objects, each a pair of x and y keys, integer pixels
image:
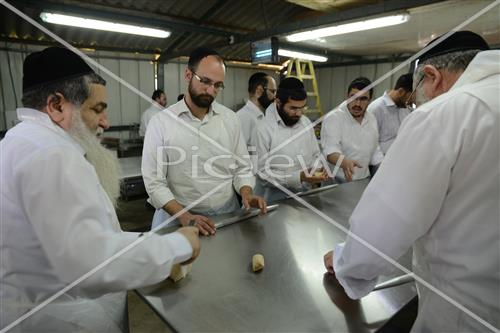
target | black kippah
[
  {"x": 51, "y": 65},
  {"x": 458, "y": 41}
]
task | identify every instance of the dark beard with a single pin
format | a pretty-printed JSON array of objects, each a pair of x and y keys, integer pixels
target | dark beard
[
  {"x": 400, "y": 103},
  {"x": 289, "y": 121},
  {"x": 264, "y": 101},
  {"x": 200, "y": 100}
]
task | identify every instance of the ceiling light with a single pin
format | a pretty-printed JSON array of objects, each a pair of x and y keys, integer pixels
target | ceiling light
[
  {"x": 82, "y": 22},
  {"x": 301, "y": 55},
  {"x": 349, "y": 27}
]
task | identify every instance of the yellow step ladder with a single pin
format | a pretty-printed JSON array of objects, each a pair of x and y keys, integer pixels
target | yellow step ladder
[{"x": 304, "y": 71}]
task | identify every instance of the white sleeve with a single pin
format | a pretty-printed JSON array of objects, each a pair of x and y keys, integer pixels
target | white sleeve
[
  {"x": 78, "y": 229},
  {"x": 377, "y": 156},
  {"x": 399, "y": 205},
  {"x": 246, "y": 125},
  {"x": 244, "y": 170},
  {"x": 153, "y": 169},
  {"x": 331, "y": 134}
]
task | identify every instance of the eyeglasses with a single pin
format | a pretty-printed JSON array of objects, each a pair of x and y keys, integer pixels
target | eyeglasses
[
  {"x": 297, "y": 109},
  {"x": 206, "y": 81},
  {"x": 409, "y": 101}
]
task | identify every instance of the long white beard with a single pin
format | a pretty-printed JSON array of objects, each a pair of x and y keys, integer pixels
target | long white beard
[{"x": 104, "y": 161}]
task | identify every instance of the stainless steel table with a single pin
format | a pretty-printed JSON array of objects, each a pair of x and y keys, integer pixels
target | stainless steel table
[{"x": 292, "y": 293}]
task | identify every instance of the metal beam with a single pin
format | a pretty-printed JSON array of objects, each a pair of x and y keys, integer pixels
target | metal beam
[
  {"x": 362, "y": 61},
  {"x": 208, "y": 14},
  {"x": 324, "y": 20},
  {"x": 146, "y": 19},
  {"x": 77, "y": 45}
]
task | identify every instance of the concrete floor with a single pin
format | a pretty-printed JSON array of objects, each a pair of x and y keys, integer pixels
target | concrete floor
[{"x": 136, "y": 215}]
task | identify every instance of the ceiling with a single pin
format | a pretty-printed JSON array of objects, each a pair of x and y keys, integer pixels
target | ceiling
[{"x": 230, "y": 25}]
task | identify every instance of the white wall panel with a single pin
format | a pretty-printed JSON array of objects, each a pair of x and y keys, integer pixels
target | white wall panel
[
  {"x": 131, "y": 110},
  {"x": 113, "y": 89},
  {"x": 173, "y": 81},
  {"x": 11, "y": 86},
  {"x": 146, "y": 83}
]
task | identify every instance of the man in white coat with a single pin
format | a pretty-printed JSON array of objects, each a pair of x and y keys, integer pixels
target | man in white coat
[
  {"x": 57, "y": 216},
  {"x": 349, "y": 134},
  {"x": 261, "y": 94},
  {"x": 438, "y": 191},
  {"x": 296, "y": 165},
  {"x": 159, "y": 103},
  {"x": 196, "y": 146}
]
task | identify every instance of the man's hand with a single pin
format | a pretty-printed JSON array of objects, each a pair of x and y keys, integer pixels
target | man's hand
[
  {"x": 319, "y": 176},
  {"x": 191, "y": 233},
  {"x": 348, "y": 167},
  {"x": 328, "y": 261},
  {"x": 203, "y": 223},
  {"x": 250, "y": 200}
]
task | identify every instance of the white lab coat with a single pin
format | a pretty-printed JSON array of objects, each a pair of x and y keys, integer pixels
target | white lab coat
[
  {"x": 341, "y": 133},
  {"x": 57, "y": 223},
  {"x": 284, "y": 165},
  {"x": 438, "y": 190},
  {"x": 250, "y": 117},
  {"x": 179, "y": 163}
]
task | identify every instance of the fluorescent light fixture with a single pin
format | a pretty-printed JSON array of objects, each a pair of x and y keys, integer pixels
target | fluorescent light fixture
[
  {"x": 349, "y": 27},
  {"x": 263, "y": 53},
  {"x": 82, "y": 22},
  {"x": 301, "y": 55}
]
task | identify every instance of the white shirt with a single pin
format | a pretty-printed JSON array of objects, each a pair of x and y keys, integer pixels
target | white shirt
[
  {"x": 146, "y": 118},
  {"x": 57, "y": 224},
  {"x": 341, "y": 133},
  {"x": 286, "y": 163},
  {"x": 389, "y": 118},
  {"x": 250, "y": 118},
  {"x": 189, "y": 164},
  {"x": 438, "y": 190}
]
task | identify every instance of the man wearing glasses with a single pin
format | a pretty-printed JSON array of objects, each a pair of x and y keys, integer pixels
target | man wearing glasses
[
  {"x": 196, "y": 146},
  {"x": 295, "y": 164},
  {"x": 349, "y": 134},
  {"x": 262, "y": 91}
]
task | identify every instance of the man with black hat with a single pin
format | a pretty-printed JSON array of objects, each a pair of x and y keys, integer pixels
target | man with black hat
[
  {"x": 58, "y": 220},
  {"x": 297, "y": 165},
  {"x": 438, "y": 191}
]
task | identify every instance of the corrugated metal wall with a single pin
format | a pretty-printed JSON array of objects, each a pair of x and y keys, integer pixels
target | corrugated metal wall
[
  {"x": 333, "y": 82},
  {"x": 125, "y": 106}
]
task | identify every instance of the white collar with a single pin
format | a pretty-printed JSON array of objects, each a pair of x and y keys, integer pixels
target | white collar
[
  {"x": 41, "y": 118},
  {"x": 254, "y": 109}
]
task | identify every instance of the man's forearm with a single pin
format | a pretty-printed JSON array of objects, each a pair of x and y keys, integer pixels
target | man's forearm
[
  {"x": 333, "y": 158},
  {"x": 173, "y": 207}
]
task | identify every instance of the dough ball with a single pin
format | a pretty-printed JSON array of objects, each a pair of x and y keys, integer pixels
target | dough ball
[
  {"x": 257, "y": 262},
  {"x": 179, "y": 272}
]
